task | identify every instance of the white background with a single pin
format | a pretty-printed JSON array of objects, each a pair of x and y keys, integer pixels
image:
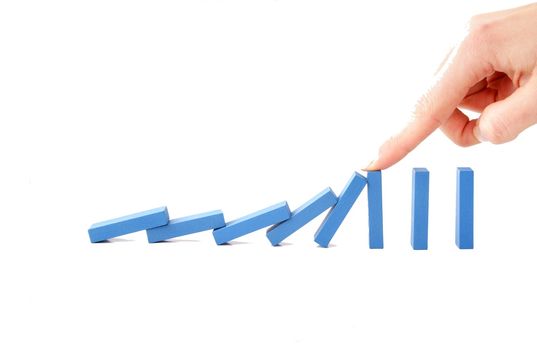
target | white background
[{"x": 113, "y": 107}]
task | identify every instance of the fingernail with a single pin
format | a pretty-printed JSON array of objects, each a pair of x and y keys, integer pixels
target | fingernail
[
  {"x": 369, "y": 166},
  {"x": 478, "y": 135}
]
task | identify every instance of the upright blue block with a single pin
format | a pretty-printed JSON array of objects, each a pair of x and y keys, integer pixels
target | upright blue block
[
  {"x": 253, "y": 222},
  {"x": 464, "y": 236},
  {"x": 301, "y": 216},
  {"x": 127, "y": 224},
  {"x": 374, "y": 203},
  {"x": 420, "y": 208},
  {"x": 337, "y": 214},
  {"x": 187, "y": 225}
]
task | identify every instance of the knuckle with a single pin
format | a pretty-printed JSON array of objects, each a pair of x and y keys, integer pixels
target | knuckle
[
  {"x": 495, "y": 130},
  {"x": 481, "y": 31}
]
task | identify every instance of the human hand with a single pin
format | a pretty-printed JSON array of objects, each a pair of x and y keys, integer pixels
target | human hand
[{"x": 493, "y": 70}]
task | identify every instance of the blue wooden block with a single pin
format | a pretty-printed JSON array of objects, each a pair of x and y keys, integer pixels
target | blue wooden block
[
  {"x": 127, "y": 224},
  {"x": 187, "y": 225},
  {"x": 337, "y": 214},
  {"x": 464, "y": 236},
  {"x": 374, "y": 200},
  {"x": 420, "y": 208},
  {"x": 253, "y": 222},
  {"x": 301, "y": 216}
]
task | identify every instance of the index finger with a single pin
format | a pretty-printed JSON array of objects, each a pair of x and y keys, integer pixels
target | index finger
[{"x": 464, "y": 68}]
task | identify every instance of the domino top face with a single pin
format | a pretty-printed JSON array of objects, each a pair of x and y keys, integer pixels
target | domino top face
[
  {"x": 215, "y": 213},
  {"x": 128, "y": 217},
  {"x": 252, "y": 222},
  {"x": 187, "y": 225},
  {"x": 335, "y": 217},
  {"x": 420, "y": 170},
  {"x": 148, "y": 219},
  {"x": 326, "y": 193},
  {"x": 301, "y": 216},
  {"x": 262, "y": 212},
  {"x": 464, "y": 169}
]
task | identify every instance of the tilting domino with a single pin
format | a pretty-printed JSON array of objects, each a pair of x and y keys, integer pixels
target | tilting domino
[
  {"x": 337, "y": 214},
  {"x": 253, "y": 222},
  {"x": 464, "y": 237},
  {"x": 301, "y": 216},
  {"x": 187, "y": 225},
  {"x": 127, "y": 224},
  {"x": 374, "y": 204},
  {"x": 420, "y": 209}
]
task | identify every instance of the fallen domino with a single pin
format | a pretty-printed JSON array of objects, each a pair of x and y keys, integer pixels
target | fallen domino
[
  {"x": 301, "y": 216},
  {"x": 337, "y": 214},
  {"x": 374, "y": 205},
  {"x": 187, "y": 225},
  {"x": 420, "y": 209},
  {"x": 145, "y": 220},
  {"x": 253, "y": 222},
  {"x": 464, "y": 236}
]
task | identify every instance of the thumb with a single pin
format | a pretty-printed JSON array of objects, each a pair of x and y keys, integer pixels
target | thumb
[{"x": 504, "y": 120}]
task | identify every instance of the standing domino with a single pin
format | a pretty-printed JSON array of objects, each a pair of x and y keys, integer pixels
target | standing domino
[
  {"x": 420, "y": 208},
  {"x": 127, "y": 224},
  {"x": 301, "y": 216},
  {"x": 337, "y": 214},
  {"x": 464, "y": 236},
  {"x": 374, "y": 203},
  {"x": 253, "y": 222}
]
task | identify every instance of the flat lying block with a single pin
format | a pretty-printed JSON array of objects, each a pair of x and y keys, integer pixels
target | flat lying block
[
  {"x": 374, "y": 204},
  {"x": 127, "y": 224},
  {"x": 337, "y": 214},
  {"x": 464, "y": 236},
  {"x": 253, "y": 222},
  {"x": 187, "y": 225},
  {"x": 420, "y": 208},
  {"x": 301, "y": 216}
]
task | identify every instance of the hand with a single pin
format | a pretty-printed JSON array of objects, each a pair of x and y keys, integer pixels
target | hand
[{"x": 493, "y": 70}]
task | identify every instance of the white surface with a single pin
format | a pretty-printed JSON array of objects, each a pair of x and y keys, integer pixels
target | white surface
[{"x": 111, "y": 107}]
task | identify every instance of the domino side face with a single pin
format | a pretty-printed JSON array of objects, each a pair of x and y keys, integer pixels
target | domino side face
[
  {"x": 301, "y": 216},
  {"x": 374, "y": 204},
  {"x": 253, "y": 222},
  {"x": 149, "y": 219},
  {"x": 187, "y": 225},
  {"x": 464, "y": 233},
  {"x": 337, "y": 214},
  {"x": 420, "y": 209}
]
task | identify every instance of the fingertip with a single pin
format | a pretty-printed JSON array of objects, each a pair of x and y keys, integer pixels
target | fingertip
[
  {"x": 370, "y": 166},
  {"x": 384, "y": 161}
]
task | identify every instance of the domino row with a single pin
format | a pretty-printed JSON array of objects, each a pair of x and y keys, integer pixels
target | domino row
[{"x": 282, "y": 223}]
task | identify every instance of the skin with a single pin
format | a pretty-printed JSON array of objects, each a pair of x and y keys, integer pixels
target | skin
[{"x": 493, "y": 71}]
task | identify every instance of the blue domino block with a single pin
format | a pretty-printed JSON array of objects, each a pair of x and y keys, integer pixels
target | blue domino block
[
  {"x": 253, "y": 222},
  {"x": 301, "y": 216},
  {"x": 420, "y": 208},
  {"x": 374, "y": 200},
  {"x": 464, "y": 236},
  {"x": 187, "y": 225},
  {"x": 337, "y": 214},
  {"x": 127, "y": 224}
]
